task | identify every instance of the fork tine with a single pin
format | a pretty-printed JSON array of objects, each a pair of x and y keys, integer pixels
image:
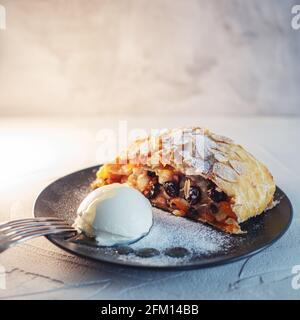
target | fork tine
[
  {"x": 31, "y": 235},
  {"x": 28, "y": 220},
  {"x": 40, "y": 231},
  {"x": 23, "y": 229},
  {"x": 17, "y": 231},
  {"x": 21, "y": 226},
  {"x": 22, "y": 232}
]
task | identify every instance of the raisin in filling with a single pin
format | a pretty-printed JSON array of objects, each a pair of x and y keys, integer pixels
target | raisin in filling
[
  {"x": 218, "y": 196},
  {"x": 153, "y": 191},
  {"x": 172, "y": 188},
  {"x": 194, "y": 195}
]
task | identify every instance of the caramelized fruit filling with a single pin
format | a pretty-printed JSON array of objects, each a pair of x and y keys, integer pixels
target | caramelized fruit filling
[{"x": 191, "y": 196}]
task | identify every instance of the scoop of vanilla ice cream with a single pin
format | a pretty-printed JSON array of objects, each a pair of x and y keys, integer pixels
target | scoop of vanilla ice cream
[{"x": 114, "y": 214}]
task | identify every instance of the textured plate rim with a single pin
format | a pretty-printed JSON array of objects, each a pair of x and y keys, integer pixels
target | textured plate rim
[{"x": 187, "y": 266}]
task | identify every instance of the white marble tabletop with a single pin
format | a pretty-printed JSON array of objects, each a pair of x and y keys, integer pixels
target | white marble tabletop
[{"x": 36, "y": 151}]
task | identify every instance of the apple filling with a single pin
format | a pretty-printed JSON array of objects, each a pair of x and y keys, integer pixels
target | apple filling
[{"x": 193, "y": 197}]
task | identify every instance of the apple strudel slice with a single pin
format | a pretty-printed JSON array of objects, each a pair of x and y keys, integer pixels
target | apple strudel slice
[{"x": 194, "y": 173}]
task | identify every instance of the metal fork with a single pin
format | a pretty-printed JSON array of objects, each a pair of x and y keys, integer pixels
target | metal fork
[{"x": 17, "y": 231}]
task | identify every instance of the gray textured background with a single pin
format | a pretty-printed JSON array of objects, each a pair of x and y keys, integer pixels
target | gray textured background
[{"x": 144, "y": 57}]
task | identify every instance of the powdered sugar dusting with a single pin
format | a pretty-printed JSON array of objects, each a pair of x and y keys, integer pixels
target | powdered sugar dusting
[{"x": 169, "y": 231}]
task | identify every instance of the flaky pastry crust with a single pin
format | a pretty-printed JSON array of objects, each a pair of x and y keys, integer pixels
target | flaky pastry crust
[{"x": 198, "y": 152}]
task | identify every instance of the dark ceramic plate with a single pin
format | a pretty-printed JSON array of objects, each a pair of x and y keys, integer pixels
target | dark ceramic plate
[{"x": 173, "y": 242}]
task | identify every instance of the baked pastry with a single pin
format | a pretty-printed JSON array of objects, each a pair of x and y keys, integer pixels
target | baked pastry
[{"x": 194, "y": 173}]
